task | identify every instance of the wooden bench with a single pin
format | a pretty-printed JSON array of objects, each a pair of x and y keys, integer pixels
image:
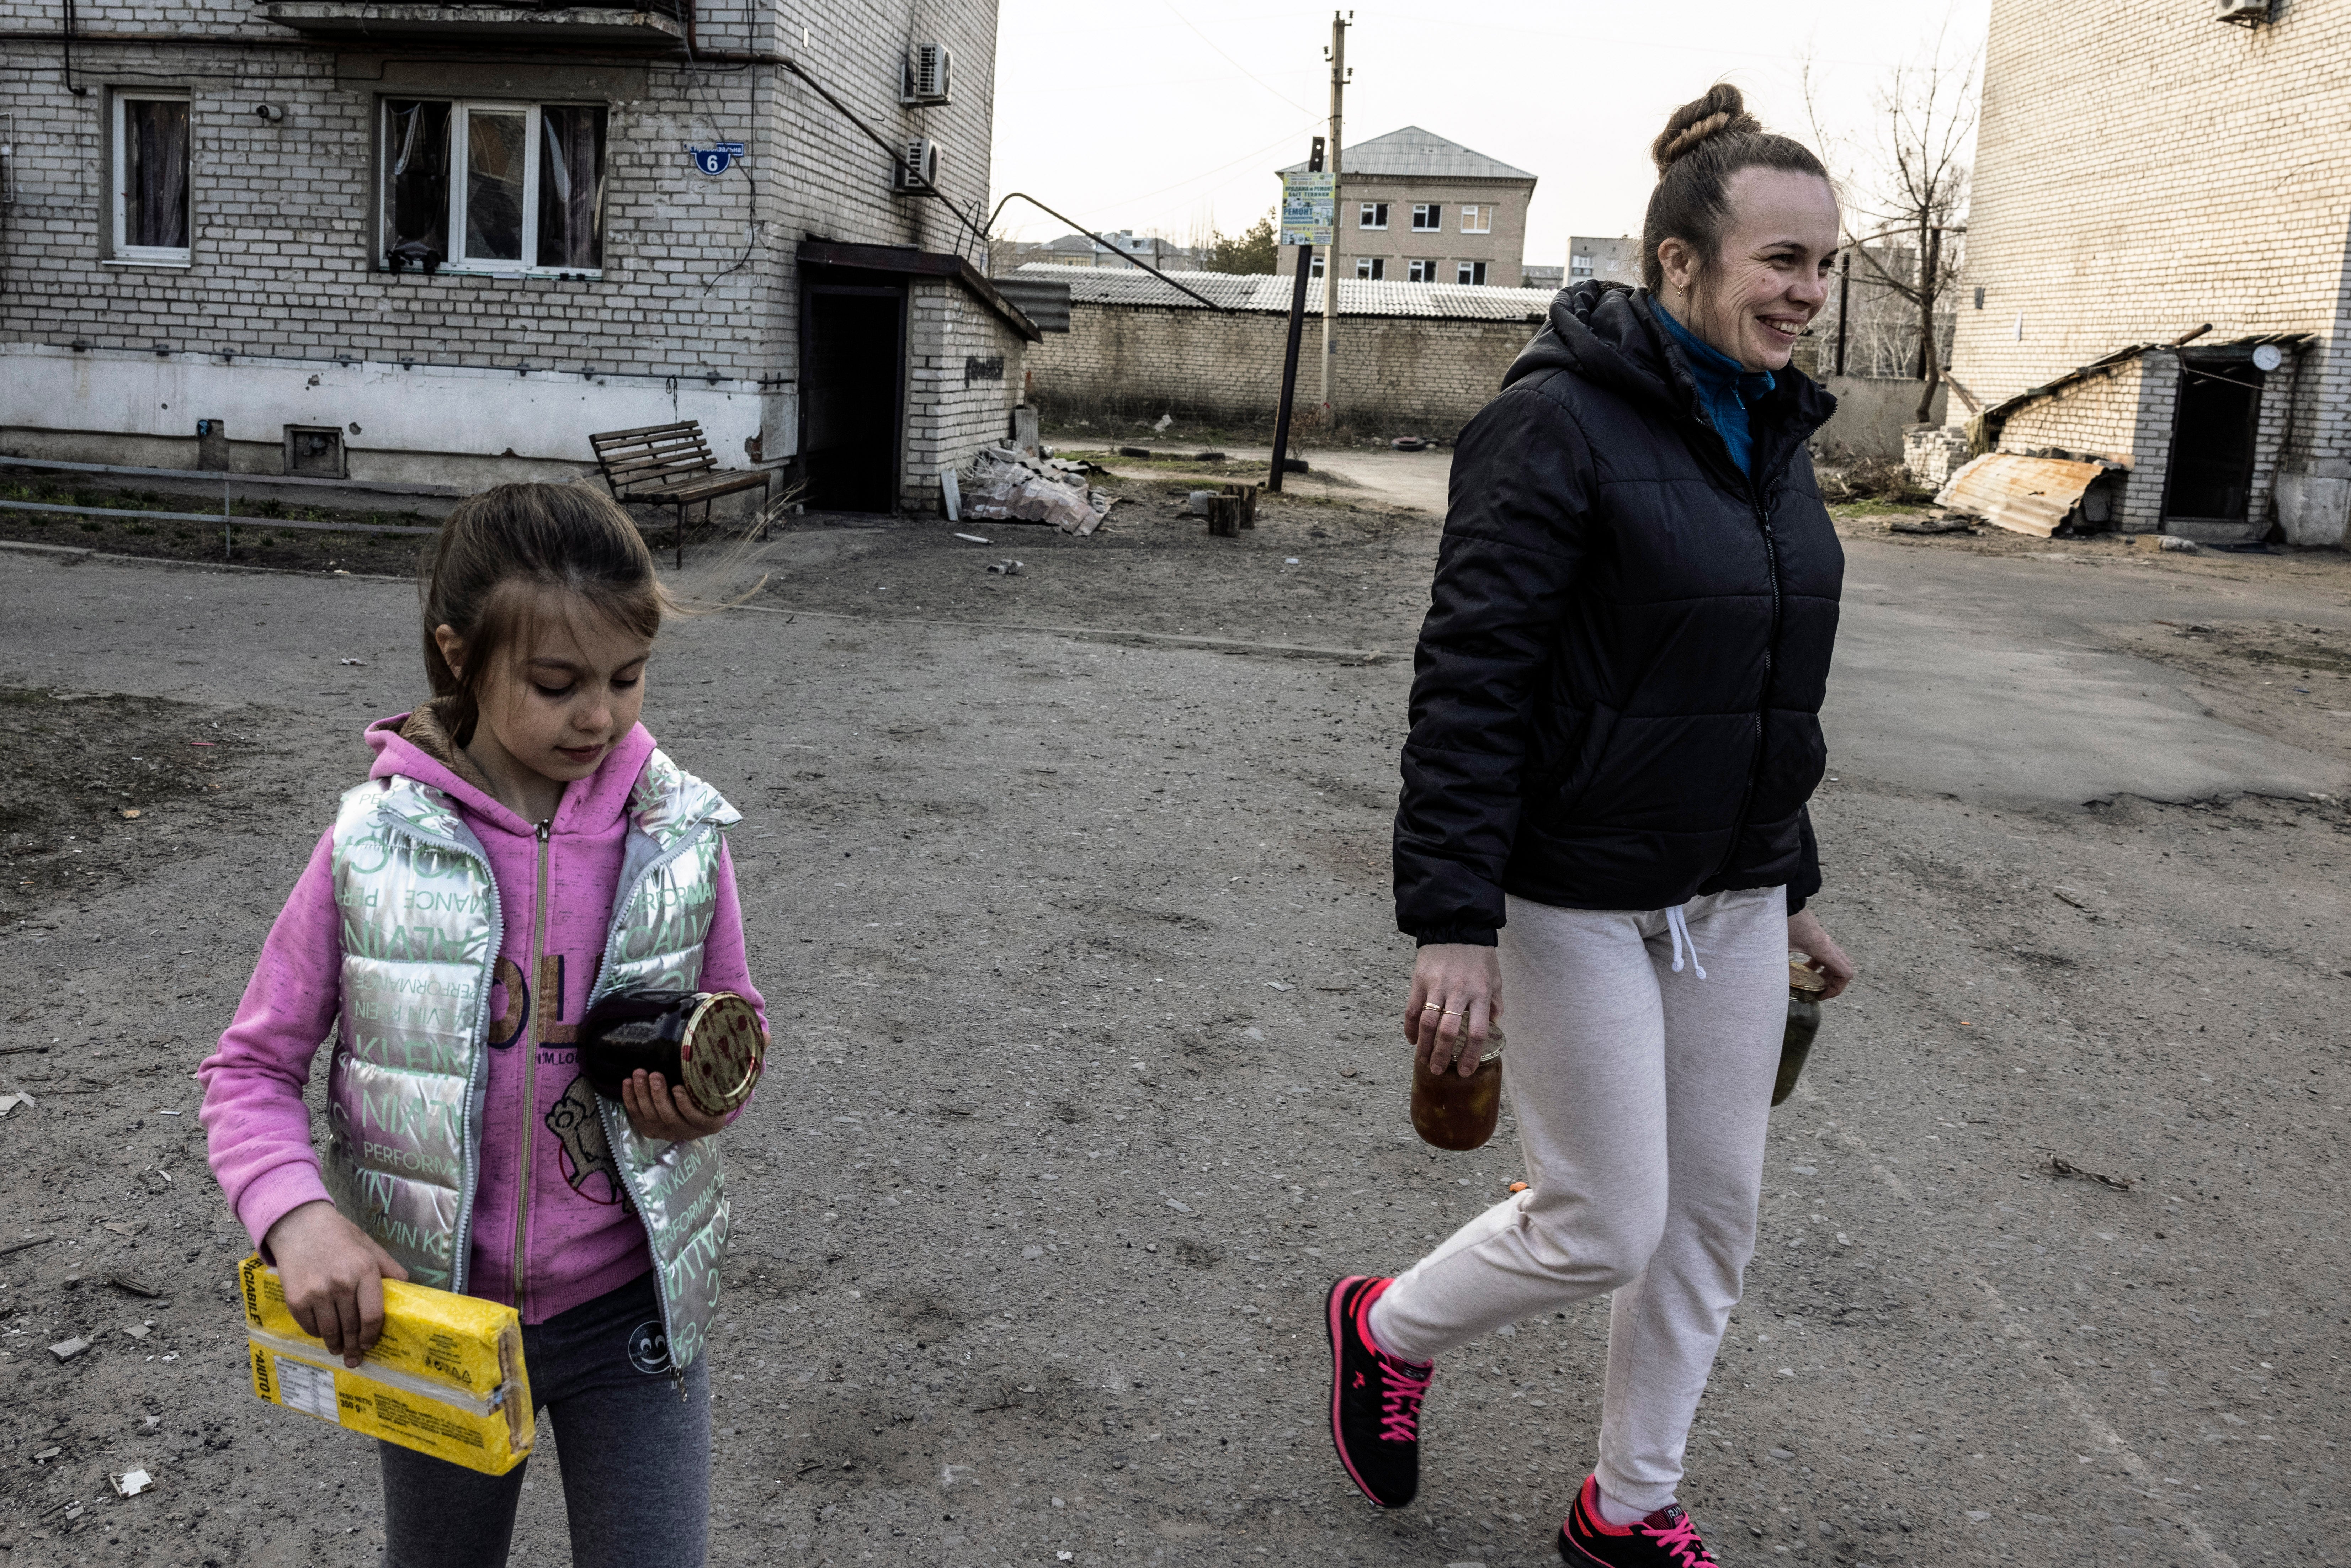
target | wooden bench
[{"x": 670, "y": 466}]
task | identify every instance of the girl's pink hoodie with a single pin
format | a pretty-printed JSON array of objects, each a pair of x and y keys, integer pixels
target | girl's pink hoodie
[{"x": 575, "y": 1238}]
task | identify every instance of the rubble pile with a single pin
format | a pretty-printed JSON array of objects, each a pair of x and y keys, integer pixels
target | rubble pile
[{"x": 1004, "y": 484}]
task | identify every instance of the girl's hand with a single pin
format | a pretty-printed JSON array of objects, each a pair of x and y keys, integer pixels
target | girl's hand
[
  {"x": 1456, "y": 995},
  {"x": 1806, "y": 935},
  {"x": 333, "y": 1273},
  {"x": 659, "y": 1110}
]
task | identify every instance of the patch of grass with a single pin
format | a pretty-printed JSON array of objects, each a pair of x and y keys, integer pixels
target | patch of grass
[{"x": 1876, "y": 506}]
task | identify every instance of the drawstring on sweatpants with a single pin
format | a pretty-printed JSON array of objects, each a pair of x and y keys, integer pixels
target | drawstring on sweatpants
[{"x": 1676, "y": 922}]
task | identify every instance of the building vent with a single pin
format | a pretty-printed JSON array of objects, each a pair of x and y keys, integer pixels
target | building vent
[
  {"x": 2243, "y": 13},
  {"x": 316, "y": 450},
  {"x": 926, "y": 75},
  {"x": 918, "y": 169}
]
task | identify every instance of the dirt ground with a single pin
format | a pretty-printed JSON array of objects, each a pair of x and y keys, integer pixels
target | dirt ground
[{"x": 1093, "y": 1084}]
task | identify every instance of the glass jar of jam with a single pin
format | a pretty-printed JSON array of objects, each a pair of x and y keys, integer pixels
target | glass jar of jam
[
  {"x": 1450, "y": 1112},
  {"x": 708, "y": 1043},
  {"x": 1805, "y": 984}
]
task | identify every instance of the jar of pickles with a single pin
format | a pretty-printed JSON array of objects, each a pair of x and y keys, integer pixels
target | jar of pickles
[{"x": 1805, "y": 984}]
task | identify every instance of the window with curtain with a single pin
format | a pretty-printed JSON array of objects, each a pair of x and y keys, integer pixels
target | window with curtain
[
  {"x": 152, "y": 221},
  {"x": 571, "y": 187},
  {"x": 493, "y": 187}
]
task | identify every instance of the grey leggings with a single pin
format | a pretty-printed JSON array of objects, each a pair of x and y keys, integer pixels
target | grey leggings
[
  {"x": 635, "y": 1457},
  {"x": 1643, "y": 1094}
]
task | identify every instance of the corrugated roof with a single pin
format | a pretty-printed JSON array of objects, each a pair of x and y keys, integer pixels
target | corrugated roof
[
  {"x": 1412, "y": 152},
  {"x": 2023, "y": 494},
  {"x": 1271, "y": 294}
]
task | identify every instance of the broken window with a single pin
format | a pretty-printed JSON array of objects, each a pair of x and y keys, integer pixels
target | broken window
[
  {"x": 1477, "y": 220},
  {"x": 499, "y": 187},
  {"x": 1372, "y": 215},
  {"x": 150, "y": 178},
  {"x": 1427, "y": 215},
  {"x": 416, "y": 186},
  {"x": 571, "y": 187},
  {"x": 1370, "y": 267},
  {"x": 1469, "y": 272}
]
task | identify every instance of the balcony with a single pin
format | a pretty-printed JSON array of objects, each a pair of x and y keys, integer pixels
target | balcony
[{"x": 647, "y": 28}]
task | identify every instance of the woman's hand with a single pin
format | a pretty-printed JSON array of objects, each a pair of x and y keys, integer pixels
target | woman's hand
[
  {"x": 1806, "y": 935},
  {"x": 1456, "y": 995},
  {"x": 659, "y": 1110},
  {"x": 333, "y": 1273}
]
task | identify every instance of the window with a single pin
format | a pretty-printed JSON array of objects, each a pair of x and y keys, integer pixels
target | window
[
  {"x": 1314, "y": 268},
  {"x": 1469, "y": 272},
  {"x": 1372, "y": 215},
  {"x": 1579, "y": 267},
  {"x": 493, "y": 187},
  {"x": 1427, "y": 215},
  {"x": 150, "y": 178},
  {"x": 1374, "y": 267},
  {"x": 1420, "y": 271},
  {"x": 1477, "y": 220}
]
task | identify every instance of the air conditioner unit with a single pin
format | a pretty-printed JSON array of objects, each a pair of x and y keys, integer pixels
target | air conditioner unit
[
  {"x": 2243, "y": 13},
  {"x": 918, "y": 169},
  {"x": 926, "y": 75}
]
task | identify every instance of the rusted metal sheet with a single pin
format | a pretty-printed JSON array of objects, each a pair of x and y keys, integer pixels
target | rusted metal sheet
[{"x": 2023, "y": 494}]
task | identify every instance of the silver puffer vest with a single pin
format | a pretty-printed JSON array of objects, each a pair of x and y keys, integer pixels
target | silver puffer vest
[{"x": 420, "y": 930}]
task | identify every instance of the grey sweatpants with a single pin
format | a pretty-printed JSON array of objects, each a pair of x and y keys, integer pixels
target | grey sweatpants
[
  {"x": 635, "y": 1456},
  {"x": 1641, "y": 1096}
]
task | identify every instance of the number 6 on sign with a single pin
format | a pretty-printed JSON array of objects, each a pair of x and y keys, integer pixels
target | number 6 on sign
[{"x": 715, "y": 158}]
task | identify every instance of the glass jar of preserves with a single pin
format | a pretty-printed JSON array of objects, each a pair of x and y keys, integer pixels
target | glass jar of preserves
[
  {"x": 1450, "y": 1112},
  {"x": 708, "y": 1043}
]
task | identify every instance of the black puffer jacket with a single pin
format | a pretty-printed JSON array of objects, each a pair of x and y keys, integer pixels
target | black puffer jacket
[{"x": 1618, "y": 689}]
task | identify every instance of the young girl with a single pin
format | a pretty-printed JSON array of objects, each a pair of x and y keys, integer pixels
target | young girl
[{"x": 520, "y": 847}]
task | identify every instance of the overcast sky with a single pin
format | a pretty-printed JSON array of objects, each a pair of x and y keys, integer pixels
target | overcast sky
[{"x": 1164, "y": 114}]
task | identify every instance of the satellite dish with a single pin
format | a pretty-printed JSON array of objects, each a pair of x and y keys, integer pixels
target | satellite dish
[{"x": 2268, "y": 357}]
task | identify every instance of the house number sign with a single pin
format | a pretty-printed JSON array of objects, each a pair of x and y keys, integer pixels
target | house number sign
[{"x": 715, "y": 158}]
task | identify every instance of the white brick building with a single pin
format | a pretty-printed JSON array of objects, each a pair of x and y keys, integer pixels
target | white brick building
[
  {"x": 2135, "y": 179},
  {"x": 446, "y": 241}
]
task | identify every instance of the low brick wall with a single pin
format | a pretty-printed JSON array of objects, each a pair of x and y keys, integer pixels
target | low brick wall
[{"x": 1395, "y": 375}]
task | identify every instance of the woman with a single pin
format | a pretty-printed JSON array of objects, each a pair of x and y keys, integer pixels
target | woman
[{"x": 1614, "y": 730}]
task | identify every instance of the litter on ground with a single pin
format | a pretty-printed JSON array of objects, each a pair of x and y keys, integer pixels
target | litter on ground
[{"x": 1008, "y": 486}]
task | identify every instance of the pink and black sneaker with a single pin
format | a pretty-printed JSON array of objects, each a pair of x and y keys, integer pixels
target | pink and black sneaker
[
  {"x": 1666, "y": 1539},
  {"x": 1375, "y": 1398}
]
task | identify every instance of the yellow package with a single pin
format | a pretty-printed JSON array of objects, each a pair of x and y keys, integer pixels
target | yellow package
[{"x": 446, "y": 1378}]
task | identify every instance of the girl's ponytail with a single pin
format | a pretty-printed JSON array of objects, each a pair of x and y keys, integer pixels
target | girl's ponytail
[{"x": 499, "y": 547}]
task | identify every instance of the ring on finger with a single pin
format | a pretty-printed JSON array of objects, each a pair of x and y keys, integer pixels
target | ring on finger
[{"x": 1431, "y": 1007}]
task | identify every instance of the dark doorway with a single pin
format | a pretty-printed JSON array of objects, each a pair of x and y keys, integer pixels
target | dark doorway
[
  {"x": 851, "y": 394},
  {"x": 2213, "y": 425}
]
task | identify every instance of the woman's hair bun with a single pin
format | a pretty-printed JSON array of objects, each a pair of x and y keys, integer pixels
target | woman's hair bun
[{"x": 1720, "y": 112}]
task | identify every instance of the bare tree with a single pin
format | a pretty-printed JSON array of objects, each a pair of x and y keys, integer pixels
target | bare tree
[{"x": 1914, "y": 183}]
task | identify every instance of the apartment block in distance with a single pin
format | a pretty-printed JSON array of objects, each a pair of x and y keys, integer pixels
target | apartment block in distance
[
  {"x": 427, "y": 242},
  {"x": 1416, "y": 208}
]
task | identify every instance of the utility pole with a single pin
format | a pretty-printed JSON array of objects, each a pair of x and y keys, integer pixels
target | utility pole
[
  {"x": 1297, "y": 325},
  {"x": 1337, "y": 53}
]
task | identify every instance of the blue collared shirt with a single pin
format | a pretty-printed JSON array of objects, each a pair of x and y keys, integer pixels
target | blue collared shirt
[{"x": 1726, "y": 390}]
